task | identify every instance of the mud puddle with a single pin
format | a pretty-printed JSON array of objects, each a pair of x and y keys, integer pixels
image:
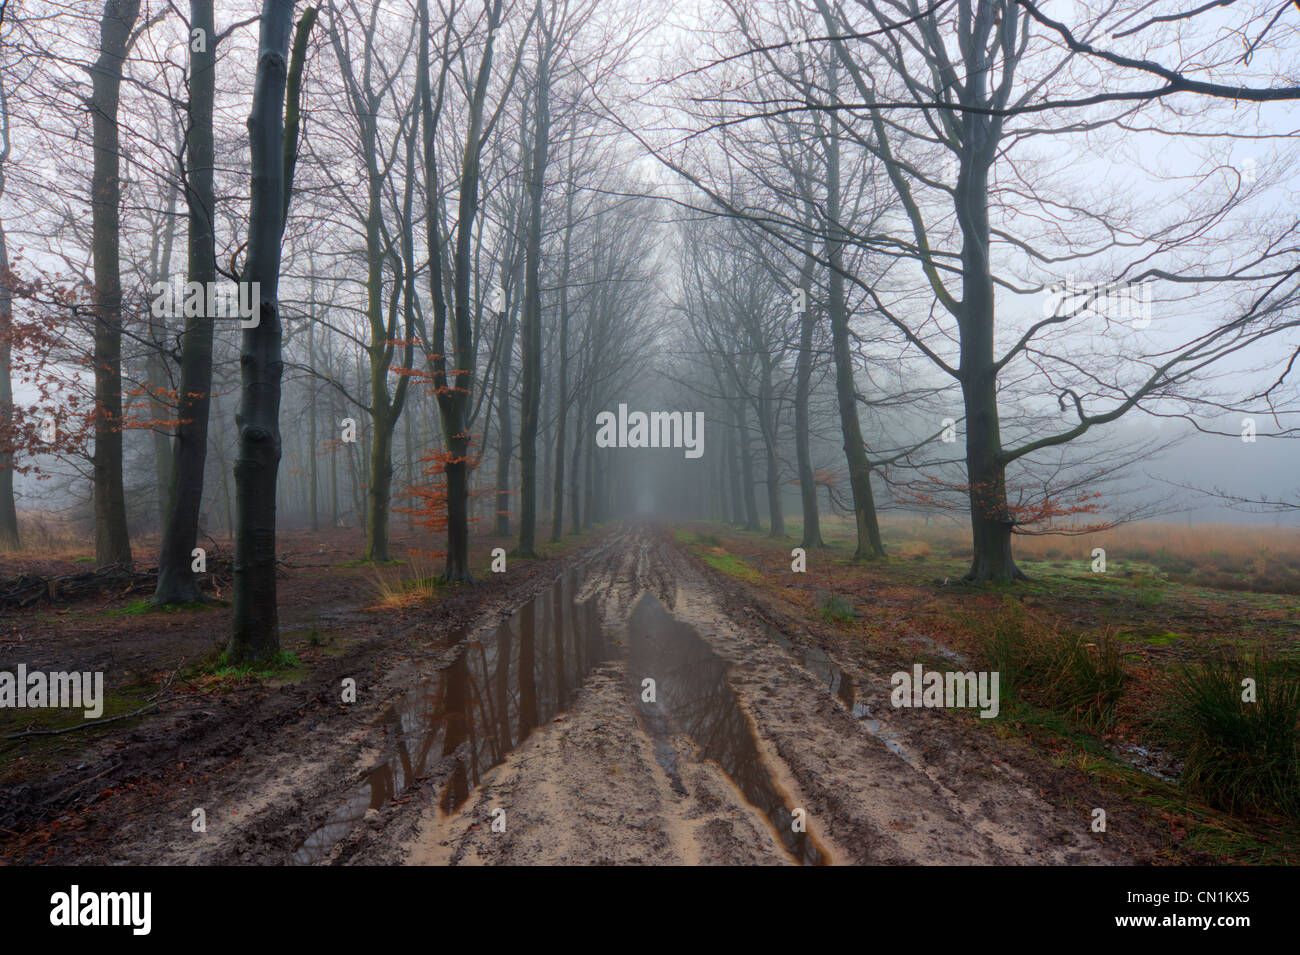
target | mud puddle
[
  {"x": 838, "y": 683},
  {"x": 473, "y": 712},
  {"x": 841, "y": 686},
  {"x": 693, "y": 695},
  {"x": 1152, "y": 761}
]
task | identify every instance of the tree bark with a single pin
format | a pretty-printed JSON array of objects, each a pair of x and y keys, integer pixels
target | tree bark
[
  {"x": 768, "y": 430},
  {"x": 869, "y": 544},
  {"x": 161, "y": 409},
  {"x": 112, "y": 540},
  {"x": 812, "y": 528},
  {"x": 991, "y": 517},
  {"x": 454, "y": 394},
  {"x": 505, "y": 427},
  {"x": 563, "y": 392},
  {"x": 176, "y": 581},
  {"x": 255, "y": 624},
  {"x": 313, "y": 441},
  {"x": 746, "y": 471},
  {"x": 530, "y": 401},
  {"x": 9, "y": 539}
]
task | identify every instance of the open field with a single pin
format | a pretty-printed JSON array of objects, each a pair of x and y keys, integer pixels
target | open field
[{"x": 1260, "y": 558}]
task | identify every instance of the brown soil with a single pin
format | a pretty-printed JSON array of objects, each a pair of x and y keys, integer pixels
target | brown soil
[{"x": 271, "y": 763}]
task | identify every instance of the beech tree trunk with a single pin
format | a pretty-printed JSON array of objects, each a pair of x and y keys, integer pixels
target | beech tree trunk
[
  {"x": 454, "y": 383},
  {"x": 255, "y": 626},
  {"x": 812, "y": 528},
  {"x": 8, "y": 507},
  {"x": 112, "y": 541},
  {"x": 176, "y": 580},
  {"x": 864, "y": 504},
  {"x": 530, "y": 402},
  {"x": 557, "y": 503},
  {"x": 746, "y": 472},
  {"x": 505, "y": 427},
  {"x": 990, "y": 514}
]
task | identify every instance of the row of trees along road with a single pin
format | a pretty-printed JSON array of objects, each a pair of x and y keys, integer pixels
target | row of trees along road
[{"x": 839, "y": 227}]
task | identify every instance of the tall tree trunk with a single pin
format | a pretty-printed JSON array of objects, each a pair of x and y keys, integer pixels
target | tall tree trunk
[
  {"x": 112, "y": 541},
  {"x": 812, "y": 527},
  {"x": 733, "y": 476},
  {"x": 774, "y": 511},
  {"x": 9, "y": 539},
  {"x": 313, "y": 441},
  {"x": 505, "y": 427},
  {"x": 589, "y": 489},
  {"x": 991, "y": 518},
  {"x": 220, "y": 444},
  {"x": 333, "y": 446},
  {"x": 562, "y": 393},
  {"x": 575, "y": 469},
  {"x": 768, "y": 428},
  {"x": 864, "y": 505},
  {"x": 454, "y": 395},
  {"x": 8, "y": 508},
  {"x": 161, "y": 409},
  {"x": 176, "y": 581},
  {"x": 382, "y": 419},
  {"x": 408, "y": 452},
  {"x": 255, "y": 625},
  {"x": 385, "y": 406},
  {"x": 381, "y": 486},
  {"x": 747, "y": 471},
  {"x": 530, "y": 401}
]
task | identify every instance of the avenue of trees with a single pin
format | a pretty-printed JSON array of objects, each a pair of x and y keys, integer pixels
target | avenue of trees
[{"x": 380, "y": 264}]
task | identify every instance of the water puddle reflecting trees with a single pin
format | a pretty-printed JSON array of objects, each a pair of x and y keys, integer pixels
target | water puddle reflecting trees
[
  {"x": 473, "y": 712},
  {"x": 694, "y": 696}
]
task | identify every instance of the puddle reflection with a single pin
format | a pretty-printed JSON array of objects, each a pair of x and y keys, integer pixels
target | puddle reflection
[
  {"x": 694, "y": 695},
  {"x": 476, "y": 710}
]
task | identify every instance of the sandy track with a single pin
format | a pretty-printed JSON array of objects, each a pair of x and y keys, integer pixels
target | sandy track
[
  {"x": 741, "y": 739},
  {"x": 591, "y": 787}
]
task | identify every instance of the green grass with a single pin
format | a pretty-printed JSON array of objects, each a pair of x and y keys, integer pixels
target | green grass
[
  {"x": 278, "y": 665},
  {"x": 837, "y": 610},
  {"x": 706, "y": 546},
  {"x": 688, "y": 538},
  {"x": 1163, "y": 639},
  {"x": 733, "y": 566},
  {"x": 1079, "y": 678},
  {"x": 42, "y": 753},
  {"x": 1258, "y": 841},
  {"x": 147, "y": 606},
  {"x": 1239, "y": 756}
]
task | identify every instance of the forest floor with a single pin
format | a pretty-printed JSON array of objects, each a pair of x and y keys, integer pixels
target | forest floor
[{"x": 509, "y": 722}]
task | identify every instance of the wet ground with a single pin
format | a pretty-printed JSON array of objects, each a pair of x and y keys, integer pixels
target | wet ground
[
  {"x": 704, "y": 738},
  {"x": 628, "y": 706},
  {"x": 495, "y": 691}
]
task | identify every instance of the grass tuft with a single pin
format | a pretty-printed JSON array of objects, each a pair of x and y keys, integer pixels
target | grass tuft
[
  {"x": 1239, "y": 756},
  {"x": 835, "y": 609},
  {"x": 1067, "y": 673}
]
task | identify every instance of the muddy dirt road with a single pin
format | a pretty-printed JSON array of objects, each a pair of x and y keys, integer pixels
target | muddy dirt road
[
  {"x": 743, "y": 748},
  {"x": 638, "y": 709},
  {"x": 744, "y": 740}
]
